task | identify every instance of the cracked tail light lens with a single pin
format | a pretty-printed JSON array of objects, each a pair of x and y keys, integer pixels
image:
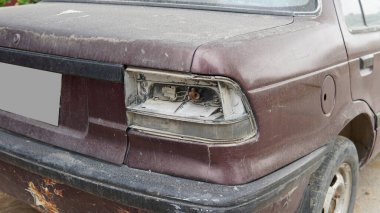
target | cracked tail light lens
[{"x": 205, "y": 109}]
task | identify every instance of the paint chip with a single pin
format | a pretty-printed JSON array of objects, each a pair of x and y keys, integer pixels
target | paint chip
[{"x": 42, "y": 199}]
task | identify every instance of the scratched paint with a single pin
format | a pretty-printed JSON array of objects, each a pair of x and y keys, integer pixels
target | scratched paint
[
  {"x": 69, "y": 12},
  {"x": 122, "y": 211}
]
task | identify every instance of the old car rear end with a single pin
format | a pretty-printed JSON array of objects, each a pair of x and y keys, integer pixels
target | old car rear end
[{"x": 143, "y": 107}]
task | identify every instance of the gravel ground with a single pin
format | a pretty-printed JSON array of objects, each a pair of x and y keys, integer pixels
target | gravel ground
[
  {"x": 368, "y": 195},
  {"x": 367, "y": 201}
]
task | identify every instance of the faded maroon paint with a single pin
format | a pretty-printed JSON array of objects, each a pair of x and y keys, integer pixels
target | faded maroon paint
[
  {"x": 87, "y": 125},
  {"x": 160, "y": 38},
  {"x": 280, "y": 66},
  {"x": 364, "y": 87},
  {"x": 282, "y": 71},
  {"x": 61, "y": 198},
  {"x": 291, "y": 125}
]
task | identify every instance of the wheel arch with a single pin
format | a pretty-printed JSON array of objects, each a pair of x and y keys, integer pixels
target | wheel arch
[{"x": 359, "y": 127}]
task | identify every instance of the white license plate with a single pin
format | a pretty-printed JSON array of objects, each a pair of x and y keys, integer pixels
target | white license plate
[{"x": 30, "y": 93}]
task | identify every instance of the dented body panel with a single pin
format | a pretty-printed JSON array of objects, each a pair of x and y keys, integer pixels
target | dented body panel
[{"x": 299, "y": 88}]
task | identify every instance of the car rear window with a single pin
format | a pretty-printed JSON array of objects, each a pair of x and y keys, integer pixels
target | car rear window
[{"x": 283, "y": 6}]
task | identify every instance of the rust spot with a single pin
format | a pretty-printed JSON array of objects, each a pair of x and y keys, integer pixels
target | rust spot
[
  {"x": 58, "y": 192},
  {"x": 41, "y": 199},
  {"x": 46, "y": 192},
  {"x": 44, "y": 195},
  {"x": 122, "y": 211},
  {"x": 194, "y": 95},
  {"x": 49, "y": 182}
]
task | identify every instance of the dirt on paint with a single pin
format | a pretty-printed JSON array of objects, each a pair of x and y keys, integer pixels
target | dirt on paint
[{"x": 367, "y": 201}]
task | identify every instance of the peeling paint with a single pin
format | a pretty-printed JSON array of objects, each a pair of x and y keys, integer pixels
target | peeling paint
[
  {"x": 122, "y": 211},
  {"x": 42, "y": 198},
  {"x": 49, "y": 182},
  {"x": 45, "y": 194},
  {"x": 58, "y": 192}
]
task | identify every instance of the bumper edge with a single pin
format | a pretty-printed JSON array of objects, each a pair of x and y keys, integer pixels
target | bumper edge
[{"x": 147, "y": 190}]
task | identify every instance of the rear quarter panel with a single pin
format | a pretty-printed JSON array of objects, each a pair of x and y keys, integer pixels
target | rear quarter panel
[{"x": 282, "y": 71}]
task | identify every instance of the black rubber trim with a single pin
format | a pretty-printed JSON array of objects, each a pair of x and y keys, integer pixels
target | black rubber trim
[
  {"x": 148, "y": 190},
  {"x": 63, "y": 65}
]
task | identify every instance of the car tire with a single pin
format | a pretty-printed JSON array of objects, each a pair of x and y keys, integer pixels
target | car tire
[{"x": 333, "y": 185}]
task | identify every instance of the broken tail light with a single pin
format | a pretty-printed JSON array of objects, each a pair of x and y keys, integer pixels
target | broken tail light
[{"x": 205, "y": 109}]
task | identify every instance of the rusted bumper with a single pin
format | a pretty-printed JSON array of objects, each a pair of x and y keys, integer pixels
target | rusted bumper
[{"x": 50, "y": 177}]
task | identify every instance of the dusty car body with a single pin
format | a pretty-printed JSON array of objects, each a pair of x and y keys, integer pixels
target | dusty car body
[{"x": 304, "y": 79}]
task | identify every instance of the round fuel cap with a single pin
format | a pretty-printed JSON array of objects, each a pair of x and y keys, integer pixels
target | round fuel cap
[{"x": 328, "y": 95}]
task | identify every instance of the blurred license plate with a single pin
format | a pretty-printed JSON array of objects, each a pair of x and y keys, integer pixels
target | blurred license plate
[{"x": 30, "y": 93}]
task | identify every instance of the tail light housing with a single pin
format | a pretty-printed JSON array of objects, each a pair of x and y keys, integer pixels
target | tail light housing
[{"x": 206, "y": 109}]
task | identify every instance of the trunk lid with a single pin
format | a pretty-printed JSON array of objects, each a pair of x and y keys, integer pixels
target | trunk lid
[
  {"x": 160, "y": 38},
  {"x": 92, "y": 115}
]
